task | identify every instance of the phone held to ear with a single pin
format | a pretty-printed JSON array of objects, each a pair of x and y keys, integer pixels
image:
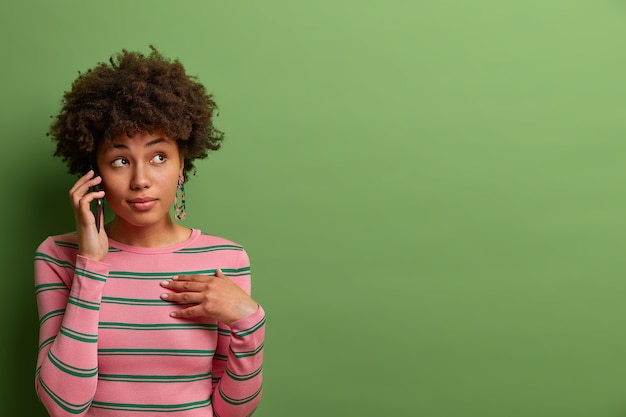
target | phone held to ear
[{"x": 99, "y": 214}]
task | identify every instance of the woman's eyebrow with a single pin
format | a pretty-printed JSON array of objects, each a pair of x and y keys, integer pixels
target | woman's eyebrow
[
  {"x": 147, "y": 145},
  {"x": 154, "y": 142}
]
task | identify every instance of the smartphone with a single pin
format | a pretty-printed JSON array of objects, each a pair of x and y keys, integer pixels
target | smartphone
[{"x": 99, "y": 212}]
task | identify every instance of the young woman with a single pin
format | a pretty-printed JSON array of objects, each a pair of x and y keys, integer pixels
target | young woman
[{"x": 142, "y": 316}]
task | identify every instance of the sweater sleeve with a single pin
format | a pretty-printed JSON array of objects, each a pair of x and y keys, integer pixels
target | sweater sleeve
[
  {"x": 68, "y": 299},
  {"x": 238, "y": 361}
]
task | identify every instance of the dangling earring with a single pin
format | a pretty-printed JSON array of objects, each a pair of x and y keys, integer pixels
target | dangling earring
[{"x": 180, "y": 208}]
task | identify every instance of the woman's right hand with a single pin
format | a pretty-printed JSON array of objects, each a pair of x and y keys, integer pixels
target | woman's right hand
[{"x": 91, "y": 244}]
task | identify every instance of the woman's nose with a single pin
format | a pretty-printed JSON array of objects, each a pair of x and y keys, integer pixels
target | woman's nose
[{"x": 140, "y": 178}]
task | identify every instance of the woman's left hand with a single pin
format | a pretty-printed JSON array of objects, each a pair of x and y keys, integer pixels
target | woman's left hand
[{"x": 216, "y": 297}]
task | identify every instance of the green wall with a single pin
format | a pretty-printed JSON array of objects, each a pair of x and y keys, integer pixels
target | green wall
[{"x": 431, "y": 192}]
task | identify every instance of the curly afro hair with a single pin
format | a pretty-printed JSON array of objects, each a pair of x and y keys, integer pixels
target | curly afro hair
[{"x": 134, "y": 94}]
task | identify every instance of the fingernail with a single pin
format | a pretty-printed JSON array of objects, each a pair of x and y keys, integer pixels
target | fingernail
[
  {"x": 164, "y": 296},
  {"x": 175, "y": 278},
  {"x": 165, "y": 283},
  {"x": 173, "y": 314}
]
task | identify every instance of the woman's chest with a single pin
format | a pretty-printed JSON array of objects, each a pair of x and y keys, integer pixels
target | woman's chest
[{"x": 135, "y": 327}]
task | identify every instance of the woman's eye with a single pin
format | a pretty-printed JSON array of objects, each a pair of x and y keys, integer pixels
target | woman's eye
[
  {"x": 158, "y": 159},
  {"x": 119, "y": 162}
]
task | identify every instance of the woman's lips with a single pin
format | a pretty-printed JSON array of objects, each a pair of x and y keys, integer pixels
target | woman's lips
[{"x": 142, "y": 204}]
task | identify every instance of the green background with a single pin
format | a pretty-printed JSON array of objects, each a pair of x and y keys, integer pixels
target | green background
[{"x": 431, "y": 192}]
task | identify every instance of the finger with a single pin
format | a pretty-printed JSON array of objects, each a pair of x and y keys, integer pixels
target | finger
[
  {"x": 90, "y": 196},
  {"x": 85, "y": 201},
  {"x": 195, "y": 311},
  {"x": 78, "y": 192},
  {"x": 191, "y": 286},
  {"x": 192, "y": 277},
  {"x": 84, "y": 182},
  {"x": 220, "y": 274},
  {"x": 182, "y": 297},
  {"x": 89, "y": 175}
]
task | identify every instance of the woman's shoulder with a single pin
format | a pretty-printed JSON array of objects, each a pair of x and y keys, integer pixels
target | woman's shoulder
[
  {"x": 57, "y": 244},
  {"x": 207, "y": 239},
  {"x": 208, "y": 246}
]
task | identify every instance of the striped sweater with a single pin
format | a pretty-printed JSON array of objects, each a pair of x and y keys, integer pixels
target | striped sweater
[{"x": 108, "y": 347}]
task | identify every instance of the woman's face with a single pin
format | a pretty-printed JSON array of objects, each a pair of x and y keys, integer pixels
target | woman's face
[{"x": 140, "y": 176}]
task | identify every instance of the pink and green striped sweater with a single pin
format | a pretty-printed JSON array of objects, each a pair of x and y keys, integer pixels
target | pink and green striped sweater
[{"x": 108, "y": 347}]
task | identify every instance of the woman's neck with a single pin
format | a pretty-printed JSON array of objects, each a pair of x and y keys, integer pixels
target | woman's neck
[{"x": 166, "y": 234}]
